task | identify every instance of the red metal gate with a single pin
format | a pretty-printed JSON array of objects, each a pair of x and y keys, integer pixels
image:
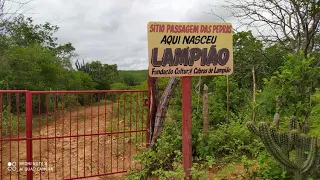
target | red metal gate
[{"x": 70, "y": 134}]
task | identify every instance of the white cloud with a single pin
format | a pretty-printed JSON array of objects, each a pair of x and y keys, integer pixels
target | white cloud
[{"x": 114, "y": 32}]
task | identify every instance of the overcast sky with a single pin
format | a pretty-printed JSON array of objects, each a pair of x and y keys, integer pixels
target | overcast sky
[{"x": 115, "y": 32}]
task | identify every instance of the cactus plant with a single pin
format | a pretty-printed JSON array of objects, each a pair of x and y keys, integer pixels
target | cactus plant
[{"x": 298, "y": 153}]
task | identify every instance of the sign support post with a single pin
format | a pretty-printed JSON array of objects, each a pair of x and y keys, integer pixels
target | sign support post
[
  {"x": 186, "y": 49},
  {"x": 186, "y": 125}
]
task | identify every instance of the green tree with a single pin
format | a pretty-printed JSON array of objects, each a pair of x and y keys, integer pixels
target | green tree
[
  {"x": 294, "y": 83},
  {"x": 103, "y": 74},
  {"x": 130, "y": 80},
  {"x": 250, "y": 52},
  {"x": 32, "y": 68},
  {"x": 133, "y": 77},
  {"x": 79, "y": 80},
  {"x": 239, "y": 99},
  {"x": 23, "y": 32}
]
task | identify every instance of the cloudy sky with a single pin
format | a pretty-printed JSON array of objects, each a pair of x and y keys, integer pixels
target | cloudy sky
[{"x": 115, "y": 32}]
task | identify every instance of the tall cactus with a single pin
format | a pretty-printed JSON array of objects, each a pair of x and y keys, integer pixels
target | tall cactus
[{"x": 306, "y": 150}]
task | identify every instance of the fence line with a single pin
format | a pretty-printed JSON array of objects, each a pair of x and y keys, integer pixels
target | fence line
[{"x": 71, "y": 134}]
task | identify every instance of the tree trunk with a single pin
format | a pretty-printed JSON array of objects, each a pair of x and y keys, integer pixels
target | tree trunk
[
  {"x": 162, "y": 110},
  {"x": 153, "y": 103}
]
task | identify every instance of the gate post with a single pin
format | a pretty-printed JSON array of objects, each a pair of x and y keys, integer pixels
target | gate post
[
  {"x": 150, "y": 110},
  {"x": 29, "y": 134},
  {"x": 148, "y": 120}
]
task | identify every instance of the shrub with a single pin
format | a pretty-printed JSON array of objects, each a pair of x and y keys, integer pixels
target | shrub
[
  {"x": 269, "y": 168},
  {"x": 163, "y": 159},
  {"x": 229, "y": 142}
]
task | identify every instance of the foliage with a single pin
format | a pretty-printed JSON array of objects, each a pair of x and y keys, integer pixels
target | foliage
[
  {"x": 250, "y": 52},
  {"x": 142, "y": 86},
  {"x": 163, "y": 158},
  {"x": 263, "y": 167},
  {"x": 32, "y": 68},
  {"x": 11, "y": 123},
  {"x": 315, "y": 115},
  {"x": 23, "y": 32},
  {"x": 268, "y": 168},
  {"x": 294, "y": 83},
  {"x": 133, "y": 77},
  {"x": 164, "y": 161},
  {"x": 31, "y": 58},
  {"x": 229, "y": 142},
  {"x": 177, "y": 171},
  {"x": 102, "y": 74},
  {"x": 281, "y": 145},
  {"x": 80, "y": 81},
  {"x": 238, "y": 99},
  {"x": 119, "y": 86},
  {"x": 198, "y": 171}
]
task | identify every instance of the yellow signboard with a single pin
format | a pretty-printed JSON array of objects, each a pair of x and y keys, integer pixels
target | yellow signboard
[{"x": 189, "y": 49}]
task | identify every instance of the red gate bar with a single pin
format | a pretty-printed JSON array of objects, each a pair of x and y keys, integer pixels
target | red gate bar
[
  {"x": 78, "y": 141},
  {"x": 29, "y": 133}
]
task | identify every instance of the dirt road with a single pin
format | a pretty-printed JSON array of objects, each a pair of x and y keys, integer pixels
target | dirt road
[{"x": 74, "y": 155}]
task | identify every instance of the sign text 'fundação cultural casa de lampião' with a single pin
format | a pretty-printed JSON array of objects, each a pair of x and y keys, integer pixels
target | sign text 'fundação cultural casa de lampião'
[{"x": 189, "y": 49}]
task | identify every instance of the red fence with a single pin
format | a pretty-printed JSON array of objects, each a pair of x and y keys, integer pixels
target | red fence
[{"x": 70, "y": 134}]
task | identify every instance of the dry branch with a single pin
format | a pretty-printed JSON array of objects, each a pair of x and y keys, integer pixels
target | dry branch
[
  {"x": 292, "y": 23},
  {"x": 162, "y": 110}
]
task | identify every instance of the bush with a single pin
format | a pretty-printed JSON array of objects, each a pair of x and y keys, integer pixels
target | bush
[
  {"x": 229, "y": 142},
  {"x": 315, "y": 115},
  {"x": 163, "y": 159},
  {"x": 263, "y": 167},
  {"x": 269, "y": 167},
  {"x": 118, "y": 86}
]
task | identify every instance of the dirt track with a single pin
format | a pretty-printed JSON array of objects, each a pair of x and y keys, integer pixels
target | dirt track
[{"x": 88, "y": 155}]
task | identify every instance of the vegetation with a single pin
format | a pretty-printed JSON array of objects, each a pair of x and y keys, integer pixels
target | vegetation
[
  {"x": 306, "y": 149},
  {"x": 287, "y": 83},
  {"x": 31, "y": 59}
]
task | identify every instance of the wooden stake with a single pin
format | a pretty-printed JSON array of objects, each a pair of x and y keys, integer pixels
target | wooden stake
[
  {"x": 199, "y": 84},
  {"x": 227, "y": 121},
  {"x": 205, "y": 110},
  {"x": 254, "y": 95}
]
